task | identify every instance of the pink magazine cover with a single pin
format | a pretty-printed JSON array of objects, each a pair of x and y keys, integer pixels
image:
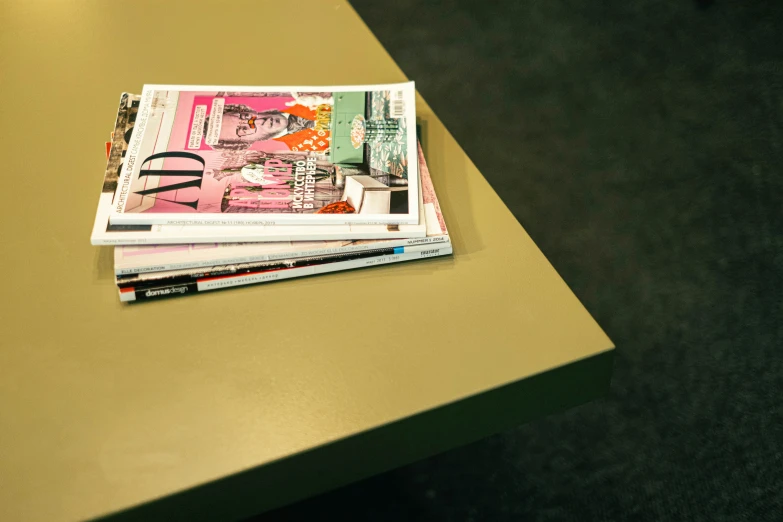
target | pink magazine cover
[
  {"x": 242, "y": 155},
  {"x": 105, "y": 233},
  {"x": 146, "y": 258}
]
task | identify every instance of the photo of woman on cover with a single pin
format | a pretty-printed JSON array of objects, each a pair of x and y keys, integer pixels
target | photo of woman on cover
[{"x": 295, "y": 126}]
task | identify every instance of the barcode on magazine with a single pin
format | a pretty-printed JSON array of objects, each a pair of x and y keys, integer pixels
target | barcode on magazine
[{"x": 397, "y": 106}]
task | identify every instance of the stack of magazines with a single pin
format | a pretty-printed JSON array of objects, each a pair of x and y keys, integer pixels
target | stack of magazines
[{"x": 214, "y": 187}]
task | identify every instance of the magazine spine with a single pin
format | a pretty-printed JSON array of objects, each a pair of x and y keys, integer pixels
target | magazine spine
[
  {"x": 334, "y": 251},
  {"x": 155, "y": 279},
  {"x": 130, "y": 294},
  {"x": 137, "y": 218},
  {"x": 172, "y": 277},
  {"x": 191, "y": 235}
]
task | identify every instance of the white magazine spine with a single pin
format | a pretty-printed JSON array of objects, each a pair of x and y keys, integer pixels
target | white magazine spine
[
  {"x": 240, "y": 220},
  {"x": 246, "y": 235}
]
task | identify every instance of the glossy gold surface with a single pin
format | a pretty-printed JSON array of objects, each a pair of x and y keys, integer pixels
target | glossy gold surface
[{"x": 104, "y": 405}]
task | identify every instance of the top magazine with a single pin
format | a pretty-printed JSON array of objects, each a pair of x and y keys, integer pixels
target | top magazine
[{"x": 205, "y": 155}]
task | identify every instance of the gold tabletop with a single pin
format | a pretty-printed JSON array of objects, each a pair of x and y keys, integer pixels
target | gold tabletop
[{"x": 260, "y": 395}]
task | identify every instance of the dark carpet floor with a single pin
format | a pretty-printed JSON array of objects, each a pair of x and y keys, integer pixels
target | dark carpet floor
[{"x": 641, "y": 146}]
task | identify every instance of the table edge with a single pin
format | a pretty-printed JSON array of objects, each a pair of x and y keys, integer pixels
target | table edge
[{"x": 281, "y": 482}]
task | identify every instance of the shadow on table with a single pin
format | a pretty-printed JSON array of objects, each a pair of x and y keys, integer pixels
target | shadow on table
[
  {"x": 449, "y": 168},
  {"x": 103, "y": 268}
]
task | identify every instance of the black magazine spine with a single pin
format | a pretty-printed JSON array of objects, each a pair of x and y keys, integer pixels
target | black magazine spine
[{"x": 164, "y": 291}]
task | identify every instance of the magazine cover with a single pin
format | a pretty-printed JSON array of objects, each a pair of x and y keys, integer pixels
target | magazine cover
[
  {"x": 155, "y": 258},
  {"x": 105, "y": 233},
  {"x": 271, "y": 156},
  {"x": 222, "y": 281}
]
